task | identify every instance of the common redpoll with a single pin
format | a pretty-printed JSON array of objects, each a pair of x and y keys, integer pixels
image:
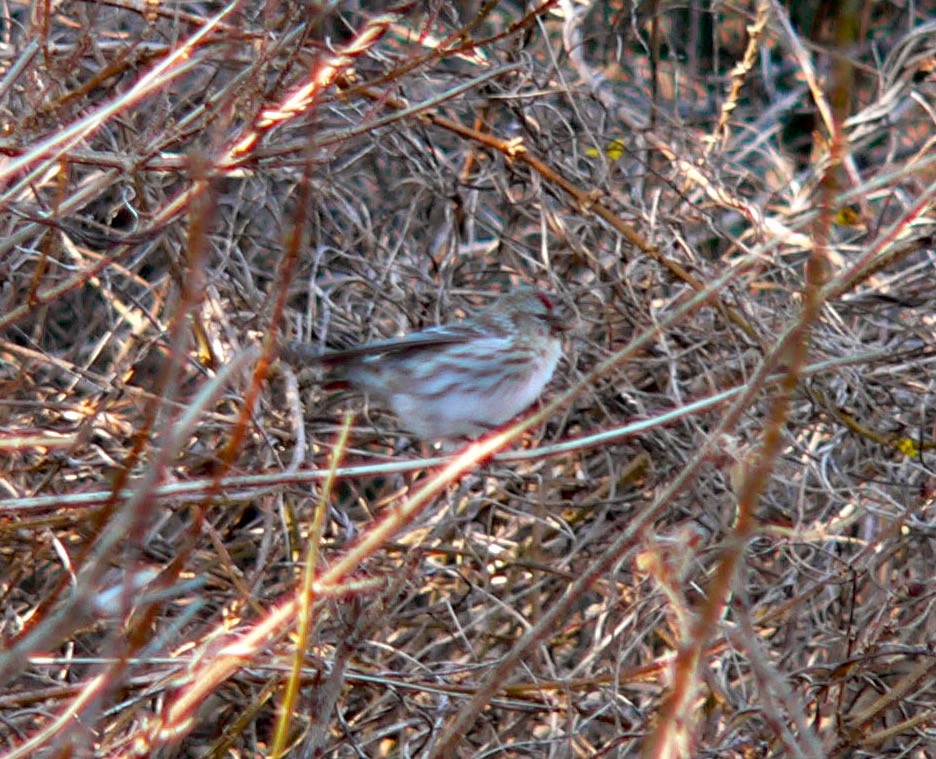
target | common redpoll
[{"x": 457, "y": 380}]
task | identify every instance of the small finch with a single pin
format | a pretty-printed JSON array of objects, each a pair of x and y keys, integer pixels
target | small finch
[{"x": 457, "y": 380}]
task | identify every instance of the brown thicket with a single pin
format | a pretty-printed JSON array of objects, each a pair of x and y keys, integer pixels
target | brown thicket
[{"x": 714, "y": 537}]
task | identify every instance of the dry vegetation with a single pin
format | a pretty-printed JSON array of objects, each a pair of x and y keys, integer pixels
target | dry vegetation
[{"x": 716, "y": 537}]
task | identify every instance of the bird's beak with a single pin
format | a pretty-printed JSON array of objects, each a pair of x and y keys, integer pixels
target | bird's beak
[{"x": 561, "y": 321}]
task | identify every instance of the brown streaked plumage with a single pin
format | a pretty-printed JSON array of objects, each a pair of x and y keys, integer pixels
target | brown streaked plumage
[{"x": 456, "y": 380}]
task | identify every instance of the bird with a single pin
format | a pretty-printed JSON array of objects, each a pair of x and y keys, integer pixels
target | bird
[{"x": 458, "y": 380}]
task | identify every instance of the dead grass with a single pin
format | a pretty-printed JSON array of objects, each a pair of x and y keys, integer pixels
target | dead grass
[{"x": 716, "y": 536}]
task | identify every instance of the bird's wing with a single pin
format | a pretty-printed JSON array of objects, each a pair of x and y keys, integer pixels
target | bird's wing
[{"x": 434, "y": 337}]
